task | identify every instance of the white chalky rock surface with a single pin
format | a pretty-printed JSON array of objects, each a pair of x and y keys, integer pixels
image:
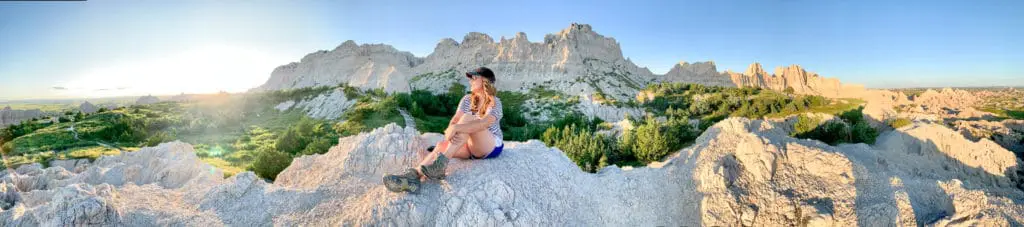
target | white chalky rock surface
[
  {"x": 329, "y": 105},
  {"x": 738, "y": 172}
]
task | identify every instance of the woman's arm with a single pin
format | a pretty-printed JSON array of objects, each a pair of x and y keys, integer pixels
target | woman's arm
[
  {"x": 455, "y": 119},
  {"x": 472, "y": 126}
]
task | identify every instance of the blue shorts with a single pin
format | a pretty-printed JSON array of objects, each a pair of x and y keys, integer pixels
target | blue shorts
[{"x": 493, "y": 154}]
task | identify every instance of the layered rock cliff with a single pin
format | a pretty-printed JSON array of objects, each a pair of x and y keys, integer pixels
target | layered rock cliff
[
  {"x": 10, "y": 116},
  {"x": 365, "y": 66},
  {"x": 576, "y": 60}
]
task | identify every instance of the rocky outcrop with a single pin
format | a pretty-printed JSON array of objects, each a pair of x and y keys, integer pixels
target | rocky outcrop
[
  {"x": 576, "y": 60},
  {"x": 72, "y": 165},
  {"x": 792, "y": 77},
  {"x": 592, "y": 108},
  {"x": 945, "y": 104},
  {"x": 738, "y": 172},
  {"x": 947, "y": 97},
  {"x": 364, "y": 66},
  {"x": 329, "y": 105},
  {"x": 1007, "y": 133},
  {"x": 698, "y": 73},
  {"x": 87, "y": 107},
  {"x": 286, "y": 105},
  {"x": 149, "y": 99},
  {"x": 10, "y": 116}
]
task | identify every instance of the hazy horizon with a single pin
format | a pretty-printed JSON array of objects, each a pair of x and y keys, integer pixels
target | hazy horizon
[{"x": 74, "y": 50}]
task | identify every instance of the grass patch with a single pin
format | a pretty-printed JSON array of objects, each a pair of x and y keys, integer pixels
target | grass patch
[
  {"x": 92, "y": 153},
  {"x": 835, "y": 108},
  {"x": 898, "y": 122},
  {"x": 229, "y": 169},
  {"x": 1017, "y": 114}
]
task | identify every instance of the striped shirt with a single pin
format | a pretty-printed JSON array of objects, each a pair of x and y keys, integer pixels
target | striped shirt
[{"x": 495, "y": 128}]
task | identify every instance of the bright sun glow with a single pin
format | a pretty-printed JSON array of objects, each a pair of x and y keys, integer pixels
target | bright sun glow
[{"x": 207, "y": 69}]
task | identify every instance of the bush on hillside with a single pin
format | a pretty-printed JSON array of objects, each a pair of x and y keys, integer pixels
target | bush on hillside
[
  {"x": 319, "y": 146},
  {"x": 268, "y": 163},
  {"x": 653, "y": 140},
  {"x": 290, "y": 142},
  {"x": 849, "y": 128},
  {"x": 583, "y": 146}
]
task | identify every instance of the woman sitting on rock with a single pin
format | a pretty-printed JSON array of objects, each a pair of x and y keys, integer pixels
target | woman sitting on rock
[{"x": 473, "y": 133}]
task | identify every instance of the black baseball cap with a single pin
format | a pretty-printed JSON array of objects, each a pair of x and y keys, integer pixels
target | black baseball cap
[{"x": 482, "y": 71}]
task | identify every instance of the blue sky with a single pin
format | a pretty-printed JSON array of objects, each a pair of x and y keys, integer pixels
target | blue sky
[{"x": 107, "y": 48}]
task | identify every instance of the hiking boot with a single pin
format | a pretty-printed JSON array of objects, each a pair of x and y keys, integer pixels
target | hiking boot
[
  {"x": 408, "y": 181},
  {"x": 435, "y": 170}
]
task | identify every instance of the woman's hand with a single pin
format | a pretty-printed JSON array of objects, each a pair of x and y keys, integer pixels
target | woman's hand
[
  {"x": 449, "y": 133},
  {"x": 457, "y": 139}
]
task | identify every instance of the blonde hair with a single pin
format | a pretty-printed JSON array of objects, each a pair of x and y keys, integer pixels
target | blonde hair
[{"x": 480, "y": 102}]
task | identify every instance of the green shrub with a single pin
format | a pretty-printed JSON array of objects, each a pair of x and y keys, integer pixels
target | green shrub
[
  {"x": 319, "y": 146},
  {"x": 835, "y": 132},
  {"x": 805, "y": 124},
  {"x": 583, "y": 147},
  {"x": 831, "y": 132},
  {"x": 157, "y": 138},
  {"x": 899, "y": 122},
  {"x": 290, "y": 142},
  {"x": 651, "y": 143},
  {"x": 849, "y": 128},
  {"x": 853, "y": 116},
  {"x": 864, "y": 133},
  {"x": 268, "y": 163}
]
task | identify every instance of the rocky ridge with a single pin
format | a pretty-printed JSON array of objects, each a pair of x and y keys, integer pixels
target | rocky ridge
[
  {"x": 364, "y": 66},
  {"x": 87, "y": 107},
  {"x": 739, "y": 172},
  {"x": 576, "y": 60},
  {"x": 10, "y": 116},
  {"x": 149, "y": 99}
]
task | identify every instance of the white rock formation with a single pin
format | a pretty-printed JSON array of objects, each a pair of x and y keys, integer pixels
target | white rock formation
[
  {"x": 698, "y": 73},
  {"x": 286, "y": 105},
  {"x": 10, "y": 116},
  {"x": 364, "y": 66},
  {"x": 324, "y": 106},
  {"x": 947, "y": 97},
  {"x": 795, "y": 77},
  {"x": 72, "y": 165},
  {"x": 575, "y": 60},
  {"x": 739, "y": 172},
  {"x": 607, "y": 113},
  {"x": 87, "y": 107},
  {"x": 149, "y": 99},
  {"x": 1006, "y": 133}
]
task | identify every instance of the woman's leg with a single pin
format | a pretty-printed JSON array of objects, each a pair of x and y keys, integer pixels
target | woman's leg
[
  {"x": 477, "y": 144},
  {"x": 481, "y": 143},
  {"x": 460, "y": 150},
  {"x": 457, "y": 147},
  {"x": 449, "y": 149}
]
